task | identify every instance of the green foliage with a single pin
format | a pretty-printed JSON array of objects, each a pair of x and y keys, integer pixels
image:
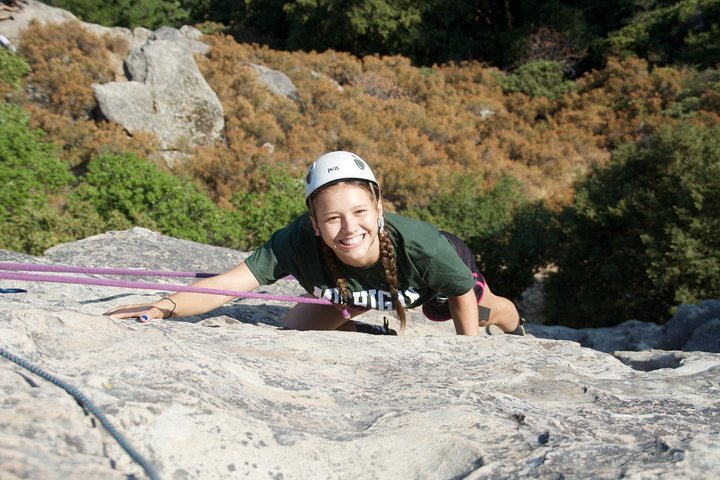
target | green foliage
[
  {"x": 701, "y": 91},
  {"x": 12, "y": 68},
  {"x": 538, "y": 79},
  {"x": 506, "y": 34},
  {"x": 523, "y": 248},
  {"x": 124, "y": 190},
  {"x": 150, "y": 14},
  {"x": 273, "y": 200},
  {"x": 499, "y": 225},
  {"x": 31, "y": 173},
  {"x": 361, "y": 27},
  {"x": 641, "y": 235},
  {"x": 686, "y": 31}
]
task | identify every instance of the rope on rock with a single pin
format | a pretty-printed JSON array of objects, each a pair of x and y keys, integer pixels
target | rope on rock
[
  {"x": 31, "y": 277},
  {"x": 38, "y": 267},
  {"x": 138, "y": 272},
  {"x": 87, "y": 405}
]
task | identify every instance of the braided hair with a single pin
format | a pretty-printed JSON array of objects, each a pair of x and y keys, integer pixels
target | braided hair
[{"x": 387, "y": 255}]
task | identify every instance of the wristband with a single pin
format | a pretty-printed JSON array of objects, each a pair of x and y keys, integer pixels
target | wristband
[{"x": 174, "y": 306}]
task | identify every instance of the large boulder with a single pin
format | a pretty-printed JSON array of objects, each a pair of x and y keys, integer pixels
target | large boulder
[
  {"x": 166, "y": 95},
  {"x": 276, "y": 81},
  {"x": 231, "y": 393}
]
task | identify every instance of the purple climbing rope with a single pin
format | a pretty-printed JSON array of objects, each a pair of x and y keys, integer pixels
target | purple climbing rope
[
  {"x": 32, "y": 277},
  {"x": 36, "y": 267}
]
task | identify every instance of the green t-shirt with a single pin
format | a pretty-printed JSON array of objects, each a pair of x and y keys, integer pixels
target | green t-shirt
[{"x": 427, "y": 265}]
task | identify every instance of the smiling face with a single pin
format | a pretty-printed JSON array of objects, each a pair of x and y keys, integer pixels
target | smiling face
[{"x": 346, "y": 215}]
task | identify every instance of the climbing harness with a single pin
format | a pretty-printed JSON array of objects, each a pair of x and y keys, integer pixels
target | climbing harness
[{"x": 88, "y": 406}]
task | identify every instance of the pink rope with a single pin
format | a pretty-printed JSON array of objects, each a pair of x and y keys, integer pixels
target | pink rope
[
  {"x": 31, "y": 277},
  {"x": 137, "y": 272},
  {"x": 34, "y": 267}
]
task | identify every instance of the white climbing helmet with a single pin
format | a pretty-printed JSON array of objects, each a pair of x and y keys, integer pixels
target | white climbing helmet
[{"x": 335, "y": 166}]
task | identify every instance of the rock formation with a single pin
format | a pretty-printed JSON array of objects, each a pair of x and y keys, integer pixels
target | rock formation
[
  {"x": 166, "y": 94},
  {"x": 159, "y": 88},
  {"x": 231, "y": 394}
]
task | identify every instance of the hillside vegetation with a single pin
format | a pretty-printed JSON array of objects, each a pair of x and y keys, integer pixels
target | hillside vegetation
[{"x": 609, "y": 178}]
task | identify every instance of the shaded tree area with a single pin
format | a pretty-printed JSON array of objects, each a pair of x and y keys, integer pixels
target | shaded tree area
[
  {"x": 579, "y": 34},
  {"x": 641, "y": 235}
]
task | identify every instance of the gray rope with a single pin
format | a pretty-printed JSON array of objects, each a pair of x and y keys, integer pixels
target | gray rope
[{"x": 89, "y": 406}]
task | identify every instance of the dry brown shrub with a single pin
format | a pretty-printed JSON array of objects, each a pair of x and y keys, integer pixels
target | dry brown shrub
[
  {"x": 80, "y": 140},
  {"x": 416, "y": 124},
  {"x": 65, "y": 60},
  {"x": 377, "y": 85}
]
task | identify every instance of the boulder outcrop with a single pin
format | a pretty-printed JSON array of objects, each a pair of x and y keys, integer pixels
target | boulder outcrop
[
  {"x": 231, "y": 394},
  {"x": 166, "y": 95}
]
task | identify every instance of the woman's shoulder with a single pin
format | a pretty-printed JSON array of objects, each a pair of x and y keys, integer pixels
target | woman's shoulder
[
  {"x": 407, "y": 226},
  {"x": 417, "y": 238}
]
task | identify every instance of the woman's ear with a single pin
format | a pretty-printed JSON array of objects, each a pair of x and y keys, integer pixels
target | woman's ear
[{"x": 379, "y": 207}]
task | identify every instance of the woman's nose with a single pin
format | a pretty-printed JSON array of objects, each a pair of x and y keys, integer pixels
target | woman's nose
[{"x": 350, "y": 224}]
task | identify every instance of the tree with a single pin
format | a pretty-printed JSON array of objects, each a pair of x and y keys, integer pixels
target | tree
[
  {"x": 685, "y": 31},
  {"x": 641, "y": 235},
  {"x": 150, "y": 14}
]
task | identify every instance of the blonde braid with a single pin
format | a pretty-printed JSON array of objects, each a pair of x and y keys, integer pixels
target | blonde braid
[
  {"x": 331, "y": 261},
  {"x": 387, "y": 251}
]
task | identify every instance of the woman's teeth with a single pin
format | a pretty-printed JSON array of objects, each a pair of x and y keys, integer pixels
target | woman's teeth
[{"x": 351, "y": 241}]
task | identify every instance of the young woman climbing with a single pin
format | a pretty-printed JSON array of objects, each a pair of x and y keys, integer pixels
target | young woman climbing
[{"x": 346, "y": 249}]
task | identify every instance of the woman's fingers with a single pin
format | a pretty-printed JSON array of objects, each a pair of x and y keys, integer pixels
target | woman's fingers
[{"x": 144, "y": 313}]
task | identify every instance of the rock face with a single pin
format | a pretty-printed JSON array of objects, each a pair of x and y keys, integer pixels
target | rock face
[
  {"x": 230, "y": 394},
  {"x": 692, "y": 328}
]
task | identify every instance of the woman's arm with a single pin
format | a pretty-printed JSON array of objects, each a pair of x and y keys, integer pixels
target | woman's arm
[
  {"x": 184, "y": 304},
  {"x": 464, "y": 309}
]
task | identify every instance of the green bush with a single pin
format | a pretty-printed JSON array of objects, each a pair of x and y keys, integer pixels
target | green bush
[
  {"x": 514, "y": 254},
  {"x": 273, "y": 200},
  {"x": 641, "y": 236},
  {"x": 496, "y": 225},
  {"x": 542, "y": 78},
  {"x": 30, "y": 173},
  {"x": 124, "y": 191},
  {"x": 12, "y": 68},
  {"x": 150, "y": 14},
  {"x": 684, "y": 31}
]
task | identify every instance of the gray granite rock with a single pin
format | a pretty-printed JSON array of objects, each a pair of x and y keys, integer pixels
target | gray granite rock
[
  {"x": 166, "y": 95},
  {"x": 230, "y": 394}
]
